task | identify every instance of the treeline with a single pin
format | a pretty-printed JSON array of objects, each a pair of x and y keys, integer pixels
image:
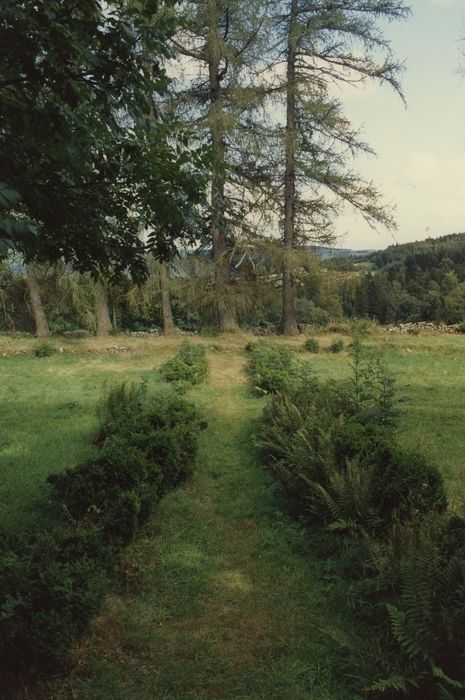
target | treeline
[
  {"x": 422, "y": 281},
  {"x": 179, "y": 295}
]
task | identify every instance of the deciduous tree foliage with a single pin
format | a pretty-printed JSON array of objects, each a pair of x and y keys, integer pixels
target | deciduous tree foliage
[{"x": 83, "y": 166}]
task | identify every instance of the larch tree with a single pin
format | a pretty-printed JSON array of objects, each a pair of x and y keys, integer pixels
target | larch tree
[
  {"x": 104, "y": 325},
  {"x": 217, "y": 50},
  {"x": 318, "y": 45}
]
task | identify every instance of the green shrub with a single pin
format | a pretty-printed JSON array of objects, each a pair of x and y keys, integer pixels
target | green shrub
[
  {"x": 274, "y": 367},
  {"x": 188, "y": 367},
  {"x": 461, "y": 327},
  {"x": 50, "y": 588},
  {"x": 209, "y": 332},
  {"x": 408, "y": 485},
  {"x": 332, "y": 447},
  {"x": 43, "y": 349},
  {"x": 343, "y": 327},
  {"x": 336, "y": 346},
  {"x": 372, "y": 491},
  {"x": 390, "y": 548},
  {"x": 312, "y": 345},
  {"x": 149, "y": 445},
  {"x": 308, "y": 313},
  {"x": 53, "y": 584}
]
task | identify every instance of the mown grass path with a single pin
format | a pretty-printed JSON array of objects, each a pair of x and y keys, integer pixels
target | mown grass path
[{"x": 220, "y": 598}]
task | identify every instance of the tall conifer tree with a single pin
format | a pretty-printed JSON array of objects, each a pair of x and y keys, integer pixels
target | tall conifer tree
[
  {"x": 219, "y": 45},
  {"x": 320, "y": 44}
]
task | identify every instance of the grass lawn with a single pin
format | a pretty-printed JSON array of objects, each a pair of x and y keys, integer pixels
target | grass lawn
[
  {"x": 48, "y": 419},
  {"x": 220, "y": 597}
]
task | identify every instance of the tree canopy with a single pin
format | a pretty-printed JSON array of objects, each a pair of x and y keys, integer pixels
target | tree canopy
[{"x": 87, "y": 158}]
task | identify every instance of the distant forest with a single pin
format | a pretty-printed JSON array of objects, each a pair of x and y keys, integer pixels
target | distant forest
[{"x": 421, "y": 281}]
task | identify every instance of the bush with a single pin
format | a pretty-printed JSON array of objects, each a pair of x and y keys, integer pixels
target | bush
[
  {"x": 360, "y": 327},
  {"x": 389, "y": 544},
  {"x": 44, "y": 349},
  {"x": 274, "y": 367},
  {"x": 149, "y": 445},
  {"x": 309, "y": 314},
  {"x": 408, "y": 485},
  {"x": 271, "y": 366},
  {"x": 50, "y": 588},
  {"x": 343, "y": 327},
  {"x": 332, "y": 448},
  {"x": 188, "y": 367},
  {"x": 312, "y": 345},
  {"x": 51, "y": 585},
  {"x": 209, "y": 331},
  {"x": 336, "y": 346}
]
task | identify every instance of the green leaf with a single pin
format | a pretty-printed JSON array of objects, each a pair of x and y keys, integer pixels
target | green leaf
[{"x": 8, "y": 196}]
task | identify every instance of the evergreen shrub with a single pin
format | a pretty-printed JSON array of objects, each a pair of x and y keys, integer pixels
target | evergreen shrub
[
  {"x": 188, "y": 367},
  {"x": 336, "y": 346},
  {"x": 418, "y": 610},
  {"x": 51, "y": 585},
  {"x": 148, "y": 446},
  {"x": 390, "y": 547},
  {"x": 43, "y": 349},
  {"x": 332, "y": 447},
  {"x": 274, "y": 367}
]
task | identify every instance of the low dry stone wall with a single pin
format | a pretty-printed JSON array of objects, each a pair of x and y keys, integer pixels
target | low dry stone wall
[{"x": 423, "y": 327}]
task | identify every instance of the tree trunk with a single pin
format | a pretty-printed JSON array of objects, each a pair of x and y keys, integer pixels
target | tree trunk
[
  {"x": 289, "y": 315},
  {"x": 224, "y": 297},
  {"x": 40, "y": 320},
  {"x": 102, "y": 312},
  {"x": 168, "y": 323}
]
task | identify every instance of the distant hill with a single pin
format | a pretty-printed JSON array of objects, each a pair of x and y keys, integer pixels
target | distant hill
[
  {"x": 419, "y": 281},
  {"x": 326, "y": 252},
  {"x": 423, "y": 254}
]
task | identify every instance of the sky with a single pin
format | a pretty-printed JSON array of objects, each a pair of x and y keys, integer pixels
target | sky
[{"x": 420, "y": 163}]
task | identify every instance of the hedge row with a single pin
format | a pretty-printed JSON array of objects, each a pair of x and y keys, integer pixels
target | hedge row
[
  {"x": 53, "y": 583},
  {"x": 332, "y": 446}
]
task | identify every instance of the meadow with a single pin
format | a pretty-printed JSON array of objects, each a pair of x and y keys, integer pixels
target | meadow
[{"x": 221, "y": 597}]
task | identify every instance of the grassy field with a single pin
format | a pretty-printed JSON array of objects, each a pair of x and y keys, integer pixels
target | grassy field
[{"x": 221, "y": 597}]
